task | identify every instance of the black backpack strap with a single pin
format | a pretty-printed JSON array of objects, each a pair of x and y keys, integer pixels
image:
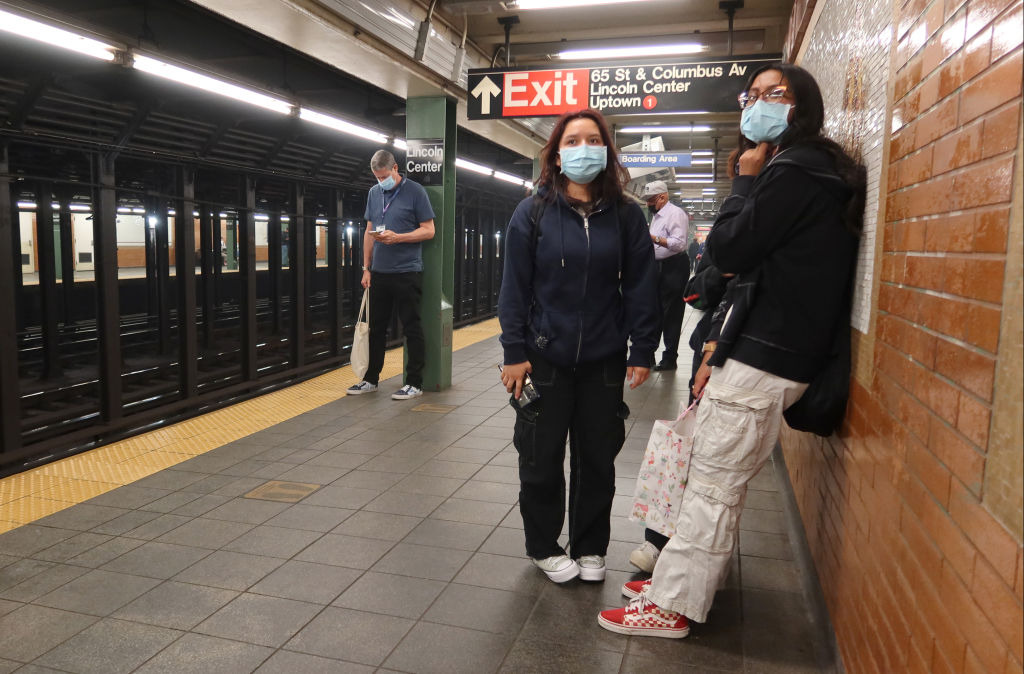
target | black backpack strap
[{"x": 537, "y": 207}]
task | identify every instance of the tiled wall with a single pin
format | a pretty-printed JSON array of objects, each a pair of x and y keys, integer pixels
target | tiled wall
[
  {"x": 913, "y": 513},
  {"x": 858, "y": 36}
]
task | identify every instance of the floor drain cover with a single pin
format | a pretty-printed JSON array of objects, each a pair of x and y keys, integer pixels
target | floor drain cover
[
  {"x": 283, "y": 492},
  {"x": 433, "y": 407}
]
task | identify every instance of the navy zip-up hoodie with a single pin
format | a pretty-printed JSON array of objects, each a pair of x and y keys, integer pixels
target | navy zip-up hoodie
[{"x": 564, "y": 300}]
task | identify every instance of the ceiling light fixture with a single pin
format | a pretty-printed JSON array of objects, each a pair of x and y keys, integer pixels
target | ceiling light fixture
[
  {"x": 472, "y": 166},
  {"x": 693, "y": 128},
  {"x": 631, "y": 52},
  {"x": 559, "y": 4},
  {"x": 211, "y": 84},
  {"x": 57, "y": 37},
  {"x": 508, "y": 177},
  {"x": 341, "y": 125}
]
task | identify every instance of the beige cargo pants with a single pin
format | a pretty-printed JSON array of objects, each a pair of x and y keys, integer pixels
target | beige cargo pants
[{"x": 738, "y": 423}]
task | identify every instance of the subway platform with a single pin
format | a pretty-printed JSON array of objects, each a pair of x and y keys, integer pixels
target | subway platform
[{"x": 403, "y": 552}]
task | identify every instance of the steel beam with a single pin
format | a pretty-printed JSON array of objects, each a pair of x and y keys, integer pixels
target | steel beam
[
  {"x": 46, "y": 254},
  {"x": 10, "y": 402},
  {"x": 335, "y": 286},
  {"x": 185, "y": 267},
  {"x": 299, "y": 255},
  {"x": 274, "y": 262},
  {"x": 209, "y": 259},
  {"x": 247, "y": 270},
  {"x": 108, "y": 308}
]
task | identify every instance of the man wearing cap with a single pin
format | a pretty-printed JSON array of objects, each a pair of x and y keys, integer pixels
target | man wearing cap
[{"x": 669, "y": 227}]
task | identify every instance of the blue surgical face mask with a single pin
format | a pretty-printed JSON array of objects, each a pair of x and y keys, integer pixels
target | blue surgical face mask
[
  {"x": 387, "y": 184},
  {"x": 765, "y": 122},
  {"x": 581, "y": 164}
]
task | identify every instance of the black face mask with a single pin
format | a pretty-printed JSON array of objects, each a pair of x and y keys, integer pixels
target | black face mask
[{"x": 652, "y": 209}]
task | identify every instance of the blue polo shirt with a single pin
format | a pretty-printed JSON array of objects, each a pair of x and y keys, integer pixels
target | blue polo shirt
[{"x": 401, "y": 210}]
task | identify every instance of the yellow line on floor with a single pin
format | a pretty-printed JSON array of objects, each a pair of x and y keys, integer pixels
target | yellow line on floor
[{"x": 34, "y": 494}]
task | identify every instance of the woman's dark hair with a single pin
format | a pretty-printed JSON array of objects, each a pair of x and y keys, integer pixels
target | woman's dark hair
[
  {"x": 805, "y": 128},
  {"x": 607, "y": 186}
]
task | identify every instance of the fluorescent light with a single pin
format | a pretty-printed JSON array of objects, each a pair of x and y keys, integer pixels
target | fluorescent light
[
  {"x": 633, "y": 51},
  {"x": 709, "y": 190},
  {"x": 696, "y": 128},
  {"x": 508, "y": 177},
  {"x": 400, "y": 144},
  {"x": 57, "y": 37},
  {"x": 211, "y": 84},
  {"x": 702, "y": 153},
  {"x": 528, "y": 185},
  {"x": 702, "y": 162},
  {"x": 471, "y": 166},
  {"x": 690, "y": 181},
  {"x": 342, "y": 125},
  {"x": 692, "y": 175},
  {"x": 556, "y": 4}
]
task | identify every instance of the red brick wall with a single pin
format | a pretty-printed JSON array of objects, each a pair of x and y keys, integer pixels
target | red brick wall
[{"x": 918, "y": 572}]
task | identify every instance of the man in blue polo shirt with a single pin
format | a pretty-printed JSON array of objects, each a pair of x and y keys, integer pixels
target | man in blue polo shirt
[{"x": 398, "y": 219}]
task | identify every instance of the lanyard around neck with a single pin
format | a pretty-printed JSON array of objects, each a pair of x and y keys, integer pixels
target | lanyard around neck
[{"x": 387, "y": 202}]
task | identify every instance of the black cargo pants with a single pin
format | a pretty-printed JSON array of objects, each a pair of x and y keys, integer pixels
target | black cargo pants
[{"x": 584, "y": 403}]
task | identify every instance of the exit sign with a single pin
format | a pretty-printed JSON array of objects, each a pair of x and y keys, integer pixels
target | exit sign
[{"x": 629, "y": 88}]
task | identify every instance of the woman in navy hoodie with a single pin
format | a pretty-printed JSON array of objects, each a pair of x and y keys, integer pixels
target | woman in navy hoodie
[{"x": 579, "y": 285}]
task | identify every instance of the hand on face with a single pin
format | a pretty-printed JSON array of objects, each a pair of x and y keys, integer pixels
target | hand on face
[{"x": 752, "y": 161}]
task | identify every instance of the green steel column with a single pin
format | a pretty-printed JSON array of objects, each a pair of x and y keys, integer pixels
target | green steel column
[{"x": 434, "y": 118}]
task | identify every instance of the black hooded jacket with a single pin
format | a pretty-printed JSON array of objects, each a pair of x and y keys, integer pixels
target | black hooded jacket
[{"x": 783, "y": 234}]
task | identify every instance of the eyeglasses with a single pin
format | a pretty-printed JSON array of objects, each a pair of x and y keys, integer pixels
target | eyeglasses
[{"x": 774, "y": 94}]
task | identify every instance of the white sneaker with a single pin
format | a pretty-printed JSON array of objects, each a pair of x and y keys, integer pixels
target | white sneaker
[
  {"x": 406, "y": 392},
  {"x": 558, "y": 568},
  {"x": 361, "y": 388},
  {"x": 645, "y": 557},
  {"x": 591, "y": 567}
]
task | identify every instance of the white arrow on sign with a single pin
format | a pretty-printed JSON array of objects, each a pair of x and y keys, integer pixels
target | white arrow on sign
[{"x": 484, "y": 91}]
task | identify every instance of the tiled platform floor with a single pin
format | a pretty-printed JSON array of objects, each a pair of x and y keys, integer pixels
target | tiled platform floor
[{"x": 409, "y": 558}]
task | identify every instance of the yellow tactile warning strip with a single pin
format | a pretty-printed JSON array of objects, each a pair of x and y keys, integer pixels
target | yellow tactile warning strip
[{"x": 34, "y": 494}]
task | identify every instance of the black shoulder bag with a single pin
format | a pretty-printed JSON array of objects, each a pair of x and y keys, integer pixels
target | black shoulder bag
[{"x": 821, "y": 408}]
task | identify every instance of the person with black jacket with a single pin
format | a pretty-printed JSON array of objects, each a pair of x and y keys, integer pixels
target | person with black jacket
[
  {"x": 579, "y": 284},
  {"x": 789, "y": 233}
]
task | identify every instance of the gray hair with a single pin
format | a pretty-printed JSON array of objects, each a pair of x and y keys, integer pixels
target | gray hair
[{"x": 382, "y": 160}]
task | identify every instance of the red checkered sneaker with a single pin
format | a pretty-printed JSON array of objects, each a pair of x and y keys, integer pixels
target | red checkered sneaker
[
  {"x": 643, "y": 618},
  {"x": 635, "y": 588}
]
